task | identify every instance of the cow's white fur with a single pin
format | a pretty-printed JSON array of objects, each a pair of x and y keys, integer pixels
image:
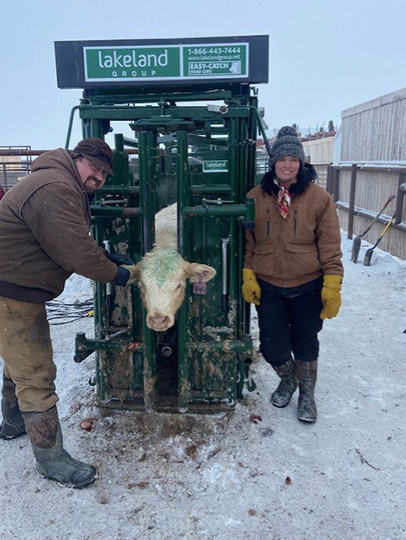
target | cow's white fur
[{"x": 162, "y": 273}]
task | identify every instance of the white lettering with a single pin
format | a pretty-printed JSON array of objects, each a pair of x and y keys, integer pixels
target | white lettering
[
  {"x": 127, "y": 60},
  {"x": 117, "y": 59},
  {"x": 142, "y": 60},
  {"x": 152, "y": 60},
  {"x": 163, "y": 59},
  {"x": 108, "y": 61}
]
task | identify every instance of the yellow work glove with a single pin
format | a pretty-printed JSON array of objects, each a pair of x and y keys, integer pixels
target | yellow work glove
[
  {"x": 330, "y": 296},
  {"x": 251, "y": 291}
]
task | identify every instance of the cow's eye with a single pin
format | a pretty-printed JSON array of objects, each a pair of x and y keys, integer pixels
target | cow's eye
[{"x": 178, "y": 287}]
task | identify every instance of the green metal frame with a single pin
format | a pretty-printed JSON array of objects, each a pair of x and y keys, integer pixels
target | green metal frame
[{"x": 214, "y": 348}]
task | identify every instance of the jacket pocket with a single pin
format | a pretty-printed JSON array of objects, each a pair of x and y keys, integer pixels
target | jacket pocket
[
  {"x": 302, "y": 259},
  {"x": 263, "y": 261},
  {"x": 263, "y": 249}
]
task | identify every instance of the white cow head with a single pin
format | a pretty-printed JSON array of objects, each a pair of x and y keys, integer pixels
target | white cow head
[{"x": 162, "y": 276}]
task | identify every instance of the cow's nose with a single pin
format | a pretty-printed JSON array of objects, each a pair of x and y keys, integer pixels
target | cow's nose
[{"x": 159, "y": 322}]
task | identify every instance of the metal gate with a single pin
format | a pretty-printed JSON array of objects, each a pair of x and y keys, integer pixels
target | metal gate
[{"x": 194, "y": 143}]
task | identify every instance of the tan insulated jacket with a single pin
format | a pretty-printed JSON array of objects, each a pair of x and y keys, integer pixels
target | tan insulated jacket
[
  {"x": 304, "y": 246},
  {"x": 44, "y": 232}
]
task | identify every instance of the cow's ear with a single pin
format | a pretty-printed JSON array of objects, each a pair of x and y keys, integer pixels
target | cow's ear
[
  {"x": 137, "y": 271},
  {"x": 200, "y": 272}
]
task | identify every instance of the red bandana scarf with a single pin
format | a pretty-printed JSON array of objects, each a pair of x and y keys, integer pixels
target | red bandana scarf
[{"x": 284, "y": 197}]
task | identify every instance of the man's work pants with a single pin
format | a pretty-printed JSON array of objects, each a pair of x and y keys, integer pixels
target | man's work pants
[{"x": 25, "y": 346}]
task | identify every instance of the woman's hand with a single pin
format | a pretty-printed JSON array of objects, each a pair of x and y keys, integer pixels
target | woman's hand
[
  {"x": 330, "y": 296},
  {"x": 251, "y": 291}
]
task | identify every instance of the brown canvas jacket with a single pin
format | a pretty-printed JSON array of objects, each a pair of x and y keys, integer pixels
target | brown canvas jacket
[
  {"x": 44, "y": 232},
  {"x": 304, "y": 246}
]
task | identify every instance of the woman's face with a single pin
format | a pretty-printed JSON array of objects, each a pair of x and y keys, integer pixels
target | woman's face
[{"x": 287, "y": 168}]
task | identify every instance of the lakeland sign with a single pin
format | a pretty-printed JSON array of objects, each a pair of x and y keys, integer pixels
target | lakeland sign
[
  {"x": 128, "y": 63},
  {"x": 85, "y": 64}
]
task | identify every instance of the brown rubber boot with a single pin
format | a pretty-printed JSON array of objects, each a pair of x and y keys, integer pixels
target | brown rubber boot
[
  {"x": 12, "y": 425},
  {"x": 307, "y": 376},
  {"x": 53, "y": 461},
  {"x": 283, "y": 394}
]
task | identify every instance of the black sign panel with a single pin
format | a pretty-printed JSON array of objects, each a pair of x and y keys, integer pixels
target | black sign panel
[{"x": 174, "y": 62}]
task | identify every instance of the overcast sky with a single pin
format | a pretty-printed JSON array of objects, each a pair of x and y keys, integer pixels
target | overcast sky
[{"x": 325, "y": 55}]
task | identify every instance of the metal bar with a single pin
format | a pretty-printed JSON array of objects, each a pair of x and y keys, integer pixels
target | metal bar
[
  {"x": 152, "y": 98},
  {"x": 70, "y": 124},
  {"x": 129, "y": 113},
  {"x": 150, "y": 371},
  {"x": 261, "y": 129},
  {"x": 124, "y": 212},
  {"x": 242, "y": 181},
  {"x": 184, "y": 195},
  {"x": 120, "y": 190},
  {"x": 376, "y": 168},
  {"x": 210, "y": 188},
  {"x": 216, "y": 210},
  {"x": 144, "y": 189},
  {"x": 130, "y": 142},
  {"x": 233, "y": 160},
  {"x": 352, "y": 200},
  {"x": 224, "y": 346},
  {"x": 359, "y": 212},
  {"x": 225, "y": 287},
  {"x": 253, "y": 121}
]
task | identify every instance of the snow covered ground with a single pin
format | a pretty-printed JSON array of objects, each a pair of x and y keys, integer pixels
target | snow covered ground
[{"x": 168, "y": 477}]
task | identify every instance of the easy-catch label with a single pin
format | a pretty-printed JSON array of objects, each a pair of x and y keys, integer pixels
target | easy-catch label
[
  {"x": 172, "y": 62},
  {"x": 215, "y": 166},
  {"x": 222, "y": 60}
]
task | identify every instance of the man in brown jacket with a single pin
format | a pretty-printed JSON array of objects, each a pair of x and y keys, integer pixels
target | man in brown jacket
[{"x": 44, "y": 238}]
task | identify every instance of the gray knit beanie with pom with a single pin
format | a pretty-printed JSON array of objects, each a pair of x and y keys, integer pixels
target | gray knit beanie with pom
[{"x": 287, "y": 143}]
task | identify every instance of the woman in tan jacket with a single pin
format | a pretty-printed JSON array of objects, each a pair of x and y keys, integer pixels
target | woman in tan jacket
[{"x": 292, "y": 270}]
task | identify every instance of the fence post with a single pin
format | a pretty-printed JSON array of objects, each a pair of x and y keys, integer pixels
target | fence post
[
  {"x": 329, "y": 181},
  {"x": 352, "y": 200},
  {"x": 400, "y": 198},
  {"x": 336, "y": 184}
]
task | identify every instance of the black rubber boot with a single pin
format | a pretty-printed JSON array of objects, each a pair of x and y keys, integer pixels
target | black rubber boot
[
  {"x": 287, "y": 386},
  {"x": 307, "y": 376},
  {"x": 53, "y": 462},
  {"x": 12, "y": 425}
]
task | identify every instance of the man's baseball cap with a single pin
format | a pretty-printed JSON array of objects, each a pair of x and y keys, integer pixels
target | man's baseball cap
[{"x": 97, "y": 152}]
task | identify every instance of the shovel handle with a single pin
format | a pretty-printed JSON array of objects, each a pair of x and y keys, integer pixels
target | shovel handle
[{"x": 390, "y": 199}]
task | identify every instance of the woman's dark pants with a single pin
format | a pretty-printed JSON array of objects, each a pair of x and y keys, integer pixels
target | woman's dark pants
[{"x": 289, "y": 321}]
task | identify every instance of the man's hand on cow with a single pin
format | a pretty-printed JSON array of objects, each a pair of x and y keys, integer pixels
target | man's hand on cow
[
  {"x": 119, "y": 259},
  {"x": 133, "y": 270},
  {"x": 126, "y": 275}
]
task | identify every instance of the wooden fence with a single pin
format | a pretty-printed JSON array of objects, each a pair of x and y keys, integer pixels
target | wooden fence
[
  {"x": 360, "y": 192},
  {"x": 370, "y": 168}
]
